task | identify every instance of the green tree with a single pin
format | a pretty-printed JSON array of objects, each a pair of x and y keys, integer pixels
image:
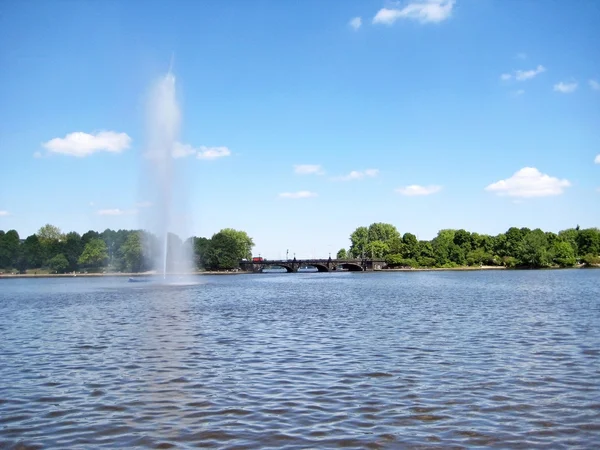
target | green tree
[
  {"x": 32, "y": 252},
  {"x": 227, "y": 248},
  {"x": 563, "y": 253},
  {"x": 94, "y": 254},
  {"x": 359, "y": 240},
  {"x": 9, "y": 249},
  {"x": 588, "y": 241},
  {"x": 342, "y": 254},
  {"x": 441, "y": 246},
  {"x": 58, "y": 263},
  {"x": 383, "y": 232},
  {"x": 570, "y": 236},
  {"x": 534, "y": 249},
  {"x": 72, "y": 249},
  {"x": 377, "y": 249},
  {"x": 132, "y": 252},
  {"x": 411, "y": 245}
]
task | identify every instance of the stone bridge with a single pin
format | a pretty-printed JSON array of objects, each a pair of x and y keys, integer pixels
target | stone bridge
[{"x": 322, "y": 265}]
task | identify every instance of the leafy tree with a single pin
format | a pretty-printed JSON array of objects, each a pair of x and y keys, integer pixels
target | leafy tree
[
  {"x": 383, "y": 232},
  {"x": 377, "y": 249},
  {"x": 201, "y": 246},
  {"x": 462, "y": 238},
  {"x": 72, "y": 249},
  {"x": 133, "y": 252},
  {"x": 588, "y": 241},
  {"x": 411, "y": 245},
  {"x": 58, "y": 263},
  {"x": 94, "y": 254},
  {"x": 534, "y": 249},
  {"x": 9, "y": 248},
  {"x": 342, "y": 254},
  {"x": 88, "y": 236},
  {"x": 570, "y": 236},
  {"x": 359, "y": 240},
  {"x": 49, "y": 233},
  {"x": 563, "y": 253},
  {"x": 227, "y": 248},
  {"x": 32, "y": 252}
]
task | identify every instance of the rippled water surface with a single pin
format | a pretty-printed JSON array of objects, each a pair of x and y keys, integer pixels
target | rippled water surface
[{"x": 505, "y": 359}]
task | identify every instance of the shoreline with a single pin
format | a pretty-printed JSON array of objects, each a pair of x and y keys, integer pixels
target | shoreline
[{"x": 241, "y": 272}]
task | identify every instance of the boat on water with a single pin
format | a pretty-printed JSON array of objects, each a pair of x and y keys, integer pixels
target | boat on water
[{"x": 137, "y": 280}]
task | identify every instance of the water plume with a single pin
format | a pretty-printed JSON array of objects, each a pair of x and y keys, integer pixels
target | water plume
[{"x": 163, "y": 186}]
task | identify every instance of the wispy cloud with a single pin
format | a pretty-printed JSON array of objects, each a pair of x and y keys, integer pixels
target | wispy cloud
[
  {"x": 81, "y": 144},
  {"x": 595, "y": 85},
  {"x": 529, "y": 182},
  {"x": 308, "y": 169},
  {"x": 565, "y": 88},
  {"x": 212, "y": 152},
  {"x": 424, "y": 11},
  {"x": 143, "y": 204},
  {"x": 297, "y": 195},
  {"x": 359, "y": 175},
  {"x": 355, "y": 23},
  {"x": 415, "y": 189},
  {"x": 597, "y": 160},
  {"x": 519, "y": 92},
  {"x": 522, "y": 75},
  {"x": 116, "y": 212},
  {"x": 184, "y": 150},
  {"x": 4, "y": 213}
]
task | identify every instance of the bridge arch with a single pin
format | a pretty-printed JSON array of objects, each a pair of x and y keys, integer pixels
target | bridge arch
[
  {"x": 319, "y": 267},
  {"x": 288, "y": 269},
  {"x": 351, "y": 267}
]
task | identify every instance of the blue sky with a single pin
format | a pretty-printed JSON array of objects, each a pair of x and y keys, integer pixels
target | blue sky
[{"x": 302, "y": 120}]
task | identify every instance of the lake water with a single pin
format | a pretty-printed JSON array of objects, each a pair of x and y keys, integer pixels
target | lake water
[{"x": 496, "y": 359}]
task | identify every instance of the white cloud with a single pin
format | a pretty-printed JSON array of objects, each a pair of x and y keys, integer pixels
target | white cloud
[
  {"x": 423, "y": 11},
  {"x": 83, "y": 144},
  {"x": 182, "y": 150},
  {"x": 359, "y": 175},
  {"x": 4, "y": 213},
  {"x": 597, "y": 160},
  {"x": 299, "y": 194},
  {"x": 212, "y": 152},
  {"x": 565, "y": 88},
  {"x": 522, "y": 75},
  {"x": 505, "y": 76},
  {"x": 594, "y": 85},
  {"x": 308, "y": 169},
  {"x": 529, "y": 182},
  {"x": 415, "y": 189},
  {"x": 116, "y": 212},
  {"x": 355, "y": 23}
]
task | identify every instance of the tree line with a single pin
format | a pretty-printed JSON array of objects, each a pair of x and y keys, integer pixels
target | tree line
[
  {"x": 517, "y": 247},
  {"x": 119, "y": 251}
]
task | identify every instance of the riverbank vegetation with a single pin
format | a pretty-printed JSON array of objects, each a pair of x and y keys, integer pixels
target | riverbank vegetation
[
  {"x": 518, "y": 247},
  {"x": 52, "y": 251}
]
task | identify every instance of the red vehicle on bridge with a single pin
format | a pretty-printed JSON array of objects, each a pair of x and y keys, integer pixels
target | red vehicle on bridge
[{"x": 257, "y": 259}]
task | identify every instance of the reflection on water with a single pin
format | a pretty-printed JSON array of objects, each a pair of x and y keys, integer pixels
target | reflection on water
[{"x": 434, "y": 360}]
